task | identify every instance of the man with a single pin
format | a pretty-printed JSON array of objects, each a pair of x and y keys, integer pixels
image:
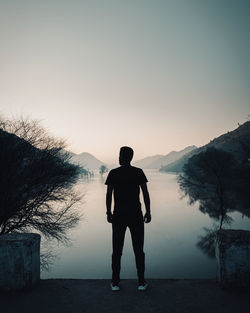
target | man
[{"x": 125, "y": 182}]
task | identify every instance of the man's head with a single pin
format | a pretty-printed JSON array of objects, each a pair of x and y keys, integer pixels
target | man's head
[{"x": 126, "y": 155}]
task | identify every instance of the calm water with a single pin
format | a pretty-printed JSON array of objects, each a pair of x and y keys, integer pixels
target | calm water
[{"x": 170, "y": 239}]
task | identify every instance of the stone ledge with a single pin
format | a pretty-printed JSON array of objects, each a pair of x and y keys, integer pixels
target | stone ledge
[
  {"x": 233, "y": 257},
  {"x": 19, "y": 260}
]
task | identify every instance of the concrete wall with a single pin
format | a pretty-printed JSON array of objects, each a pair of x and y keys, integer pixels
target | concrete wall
[
  {"x": 233, "y": 257},
  {"x": 19, "y": 260}
]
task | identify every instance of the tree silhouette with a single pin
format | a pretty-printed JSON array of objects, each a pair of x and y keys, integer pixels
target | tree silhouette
[
  {"x": 37, "y": 181},
  {"x": 221, "y": 185},
  {"x": 103, "y": 169},
  {"x": 208, "y": 177}
]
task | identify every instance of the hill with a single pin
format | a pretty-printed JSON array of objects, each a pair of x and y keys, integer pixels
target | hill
[
  {"x": 146, "y": 162},
  {"x": 171, "y": 157},
  {"x": 87, "y": 160},
  {"x": 232, "y": 142},
  {"x": 156, "y": 161}
]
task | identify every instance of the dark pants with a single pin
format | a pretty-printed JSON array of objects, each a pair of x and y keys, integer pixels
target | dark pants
[{"x": 136, "y": 226}]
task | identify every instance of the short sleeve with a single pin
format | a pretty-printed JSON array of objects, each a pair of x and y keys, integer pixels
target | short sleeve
[
  {"x": 142, "y": 177},
  {"x": 110, "y": 179}
]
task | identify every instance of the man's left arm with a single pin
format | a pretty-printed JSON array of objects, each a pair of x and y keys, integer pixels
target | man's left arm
[{"x": 109, "y": 203}]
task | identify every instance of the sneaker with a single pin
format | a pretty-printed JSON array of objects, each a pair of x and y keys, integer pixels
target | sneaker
[
  {"x": 114, "y": 287},
  {"x": 143, "y": 286}
]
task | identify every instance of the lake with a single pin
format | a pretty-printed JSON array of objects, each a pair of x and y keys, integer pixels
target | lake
[{"x": 170, "y": 239}]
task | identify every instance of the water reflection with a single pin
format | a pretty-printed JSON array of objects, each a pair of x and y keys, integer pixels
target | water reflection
[
  {"x": 220, "y": 185},
  {"x": 206, "y": 242}
]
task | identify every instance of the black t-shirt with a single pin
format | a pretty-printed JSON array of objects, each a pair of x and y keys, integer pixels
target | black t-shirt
[{"x": 126, "y": 181}]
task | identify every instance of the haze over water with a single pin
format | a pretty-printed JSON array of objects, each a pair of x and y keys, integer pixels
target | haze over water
[{"x": 170, "y": 239}]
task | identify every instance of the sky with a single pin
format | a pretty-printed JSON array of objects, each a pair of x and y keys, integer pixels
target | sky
[{"x": 154, "y": 75}]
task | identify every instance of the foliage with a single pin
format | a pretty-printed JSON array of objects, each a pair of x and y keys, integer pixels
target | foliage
[
  {"x": 84, "y": 172},
  {"x": 210, "y": 178},
  {"x": 207, "y": 242},
  {"x": 221, "y": 185},
  {"x": 37, "y": 181},
  {"x": 103, "y": 169}
]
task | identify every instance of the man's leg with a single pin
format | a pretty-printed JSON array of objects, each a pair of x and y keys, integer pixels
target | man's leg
[
  {"x": 136, "y": 227},
  {"x": 118, "y": 230}
]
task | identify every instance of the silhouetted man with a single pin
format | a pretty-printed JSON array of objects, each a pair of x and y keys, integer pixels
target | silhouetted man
[{"x": 125, "y": 181}]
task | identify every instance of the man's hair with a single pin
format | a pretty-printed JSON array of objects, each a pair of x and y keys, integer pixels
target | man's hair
[{"x": 127, "y": 153}]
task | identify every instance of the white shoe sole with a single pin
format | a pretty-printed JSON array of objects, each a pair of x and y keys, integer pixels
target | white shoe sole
[
  {"x": 143, "y": 288},
  {"x": 114, "y": 288}
]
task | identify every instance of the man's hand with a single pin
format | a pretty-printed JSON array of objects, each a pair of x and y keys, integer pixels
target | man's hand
[
  {"x": 109, "y": 217},
  {"x": 147, "y": 218}
]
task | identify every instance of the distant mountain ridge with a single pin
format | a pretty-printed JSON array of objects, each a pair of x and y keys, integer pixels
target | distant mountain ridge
[
  {"x": 146, "y": 162},
  {"x": 230, "y": 142},
  {"x": 87, "y": 160},
  {"x": 175, "y": 160},
  {"x": 156, "y": 161}
]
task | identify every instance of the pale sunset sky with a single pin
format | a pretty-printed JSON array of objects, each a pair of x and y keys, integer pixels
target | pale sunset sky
[{"x": 155, "y": 75}]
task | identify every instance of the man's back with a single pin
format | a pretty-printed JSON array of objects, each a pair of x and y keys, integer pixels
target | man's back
[{"x": 126, "y": 181}]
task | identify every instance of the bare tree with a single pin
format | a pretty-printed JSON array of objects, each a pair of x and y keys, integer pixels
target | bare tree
[{"x": 37, "y": 181}]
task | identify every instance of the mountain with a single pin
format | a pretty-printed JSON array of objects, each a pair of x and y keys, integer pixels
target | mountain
[
  {"x": 87, "y": 160},
  {"x": 232, "y": 142},
  {"x": 156, "y": 161},
  {"x": 146, "y": 162},
  {"x": 177, "y": 165},
  {"x": 171, "y": 157}
]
